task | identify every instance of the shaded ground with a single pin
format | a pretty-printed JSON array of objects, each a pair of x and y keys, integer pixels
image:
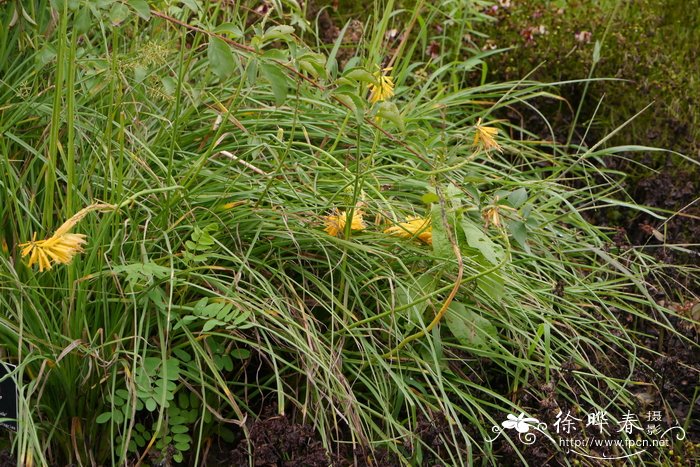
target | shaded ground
[
  {"x": 275, "y": 440},
  {"x": 667, "y": 373}
]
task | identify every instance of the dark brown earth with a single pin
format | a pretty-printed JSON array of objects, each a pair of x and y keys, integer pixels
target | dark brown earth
[{"x": 276, "y": 441}]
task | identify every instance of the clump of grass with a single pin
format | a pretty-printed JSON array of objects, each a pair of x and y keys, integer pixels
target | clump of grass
[{"x": 228, "y": 281}]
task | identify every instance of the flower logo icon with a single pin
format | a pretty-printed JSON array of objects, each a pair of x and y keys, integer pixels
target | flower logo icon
[{"x": 522, "y": 425}]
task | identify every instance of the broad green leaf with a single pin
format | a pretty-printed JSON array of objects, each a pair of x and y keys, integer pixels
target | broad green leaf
[
  {"x": 355, "y": 102},
  {"x": 211, "y": 310},
  {"x": 151, "y": 404},
  {"x": 182, "y": 438},
  {"x": 182, "y": 447},
  {"x": 169, "y": 85},
  {"x": 276, "y": 54},
  {"x": 230, "y": 29},
  {"x": 151, "y": 364},
  {"x": 117, "y": 417},
  {"x": 341, "y": 82},
  {"x": 429, "y": 198},
  {"x": 242, "y": 321},
  {"x": 346, "y": 99},
  {"x": 472, "y": 191},
  {"x": 389, "y": 111},
  {"x": 517, "y": 198},
  {"x": 299, "y": 20},
  {"x": 46, "y": 55},
  {"x": 211, "y": 324},
  {"x": 224, "y": 310},
  {"x": 118, "y": 13},
  {"x": 476, "y": 238},
  {"x": 139, "y": 440},
  {"x": 454, "y": 197},
  {"x": 240, "y": 354},
  {"x": 191, "y": 4},
  {"x": 519, "y": 232},
  {"x": 453, "y": 193},
  {"x": 178, "y": 428},
  {"x": 441, "y": 243},
  {"x": 225, "y": 434},
  {"x": 409, "y": 293},
  {"x": 360, "y": 74},
  {"x": 182, "y": 355},
  {"x": 183, "y": 402},
  {"x": 141, "y": 8},
  {"x": 277, "y": 79},
  {"x": 172, "y": 365},
  {"x": 282, "y": 31},
  {"x": 140, "y": 73},
  {"x": 103, "y": 417},
  {"x": 228, "y": 363},
  {"x": 185, "y": 321},
  {"x": 158, "y": 298},
  {"x": 493, "y": 285},
  {"x": 199, "y": 307},
  {"x": 251, "y": 72},
  {"x": 313, "y": 64},
  {"x": 83, "y": 20},
  {"x": 118, "y": 401},
  {"x": 470, "y": 328},
  {"x": 220, "y": 58}
]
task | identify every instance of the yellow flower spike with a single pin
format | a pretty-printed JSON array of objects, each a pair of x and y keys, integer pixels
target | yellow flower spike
[
  {"x": 383, "y": 89},
  {"x": 413, "y": 227},
  {"x": 335, "y": 223},
  {"x": 485, "y": 136},
  {"x": 62, "y": 246}
]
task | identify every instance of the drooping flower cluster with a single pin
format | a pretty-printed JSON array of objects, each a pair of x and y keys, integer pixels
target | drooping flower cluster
[
  {"x": 335, "y": 223},
  {"x": 485, "y": 137},
  {"x": 62, "y": 246},
  {"x": 383, "y": 89},
  {"x": 414, "y": 227}
]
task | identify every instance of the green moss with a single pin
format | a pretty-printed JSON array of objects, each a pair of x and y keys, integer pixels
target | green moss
[{"x": 650, "y": 47}]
